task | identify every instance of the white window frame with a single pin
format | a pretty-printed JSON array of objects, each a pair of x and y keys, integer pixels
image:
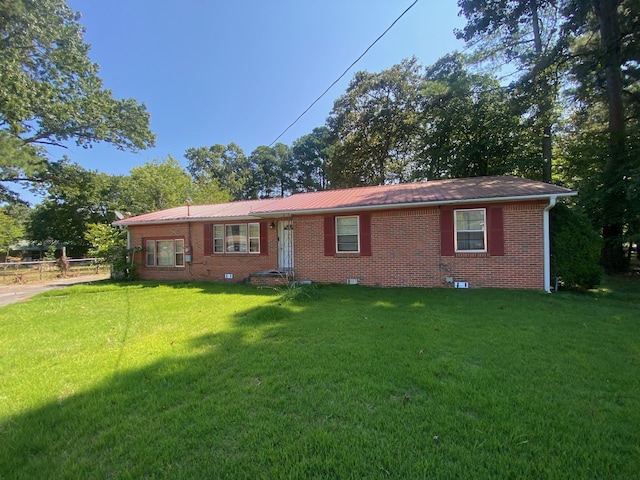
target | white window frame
[
  {"x": 221, "y": 238},
  {"x": 218, "y": 238},
  {"x": 152, "y": 255},
  {"x": 456, "y": 230},
  {"x": 338, "y": 234}
]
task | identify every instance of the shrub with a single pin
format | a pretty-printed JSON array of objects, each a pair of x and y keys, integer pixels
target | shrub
[
  {"x": 297, "y": 292},
  {"x": 110, "y": 247},
  {"x": 575, "y": 248}
]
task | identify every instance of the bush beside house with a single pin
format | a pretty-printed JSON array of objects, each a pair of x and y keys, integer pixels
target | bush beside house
[{"x": 575, "y": 249}]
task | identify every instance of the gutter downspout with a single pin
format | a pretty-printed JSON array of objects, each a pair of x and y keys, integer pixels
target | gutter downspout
[{"x": 547, "y": 244}]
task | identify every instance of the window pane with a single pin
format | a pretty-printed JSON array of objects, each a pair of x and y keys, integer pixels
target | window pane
[
  {"x": 348, "y": 230},
  {"x": 470, "y": 220},
  {"x": 218, "y": 238},
  {"x": 237, "y": 238},
  {"x": 179, "y": 253},
  {"x": 348, "y": 243},
  {"x": 150, "y": 248},
  {"x": 254, "y": 237},
  {"x": 165, "y": 252},
  {"x": 347, "y": 224},
  {"x": 470, "y": 240}
]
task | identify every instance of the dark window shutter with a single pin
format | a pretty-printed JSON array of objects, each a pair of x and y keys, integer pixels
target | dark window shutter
[
  {"x": 496, "y": 231},
  {"x": 447, "y": 248},
  {"x": 329, "y": 235},
  {"x": 208, "y": 239},
  {"x": 264, "y": 238},
  {"x": 365, "y": 234}
]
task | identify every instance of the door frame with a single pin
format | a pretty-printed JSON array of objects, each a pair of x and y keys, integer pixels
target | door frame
[{"x": 285, "y": 246}]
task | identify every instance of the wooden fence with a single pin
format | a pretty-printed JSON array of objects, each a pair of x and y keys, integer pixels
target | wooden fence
[{"x": 42, "y": 271}]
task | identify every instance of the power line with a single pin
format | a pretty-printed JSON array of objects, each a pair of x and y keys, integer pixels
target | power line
[{"x": 343, "y": 73}]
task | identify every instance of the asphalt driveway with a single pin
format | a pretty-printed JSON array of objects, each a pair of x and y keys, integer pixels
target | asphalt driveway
[{"x": 17, "y": 293}]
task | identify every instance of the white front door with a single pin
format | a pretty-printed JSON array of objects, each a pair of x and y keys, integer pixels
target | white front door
[{"x": 285, "y": 246}]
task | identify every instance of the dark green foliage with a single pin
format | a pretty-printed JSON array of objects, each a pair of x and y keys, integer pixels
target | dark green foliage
[
  {"x": 310, "y": 155},
  {"x": 375, "y": 127},
  {"x": 225, "y": 164},
  {"x": 575, "y": 248},
  {"x": 75, "y": 199},
  {"x": 51, "y": 94}
]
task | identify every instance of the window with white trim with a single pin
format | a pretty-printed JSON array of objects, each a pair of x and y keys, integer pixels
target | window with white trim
[
  {"x": 236, "y": 238},
  {"x": 471, "y": 230},
  {"x": 347, "y": 234},
  {"x": 164, "y": 253}
]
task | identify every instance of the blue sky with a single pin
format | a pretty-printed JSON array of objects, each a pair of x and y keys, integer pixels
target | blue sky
[{"x": 226, "y": 71}]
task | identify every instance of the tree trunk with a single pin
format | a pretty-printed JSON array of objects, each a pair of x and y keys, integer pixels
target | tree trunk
[
  {"x": 545, "y": 105},
  {"x": 614, "y": 188}
]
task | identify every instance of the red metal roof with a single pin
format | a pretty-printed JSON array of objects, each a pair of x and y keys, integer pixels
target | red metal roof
[
  {"x": 244, "y": 208},
  {"x": 434, "y": 192},
  {"x": 431, "y": 192}
]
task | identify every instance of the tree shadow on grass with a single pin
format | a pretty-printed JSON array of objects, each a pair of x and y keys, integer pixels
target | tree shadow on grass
[
  {"x": 218, "y": 411},
  {"x": 262, "y": 400},
  {"x": 230, "y": 407},
  {"x": 235, "y": 405},
  {"x": 185, "y": 417}
]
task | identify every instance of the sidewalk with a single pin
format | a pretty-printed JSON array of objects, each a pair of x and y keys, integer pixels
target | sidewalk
[{"x": 17, "y": 293}]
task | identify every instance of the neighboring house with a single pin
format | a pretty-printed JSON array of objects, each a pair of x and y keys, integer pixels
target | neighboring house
[{"x": 486, "y": 231}]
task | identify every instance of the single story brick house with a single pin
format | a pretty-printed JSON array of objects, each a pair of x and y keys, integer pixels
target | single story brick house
[{"x": 475, "y": 232}]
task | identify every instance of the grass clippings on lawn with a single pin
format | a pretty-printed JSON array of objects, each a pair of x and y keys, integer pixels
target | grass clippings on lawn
[{"x": 217, "y": 381}]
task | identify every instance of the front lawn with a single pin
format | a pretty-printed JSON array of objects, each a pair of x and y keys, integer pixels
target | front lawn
[{"x": 216, "y": 381}]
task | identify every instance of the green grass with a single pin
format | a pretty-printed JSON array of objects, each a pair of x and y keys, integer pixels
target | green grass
[{"x": 200, "y": 380}]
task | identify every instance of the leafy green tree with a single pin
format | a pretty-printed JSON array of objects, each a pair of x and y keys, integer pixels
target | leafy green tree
[
  {"x": 109, "y": 245},
  {"x": 106, "y": 241},
  {"x": 10, "y": 231},
  {"x": 161, "y": 184},
  {"x": 614, "y": 201},
  {"x": 50, "y": 93},
  {"x": 156, "y": 185},
  {"x": 605, "y": 41},
  {"x": 208, "y": 191},
  {"x": 375, "y": 127},
  {"x": 272, "y": 170},
  {"x": 75, "y": 199},
  {"x": 525, "y": 35},
  {"x": 469, "y": 127},
  {"x": 228, "y": 166},
  {"x": 310, "y": 156},
  {"x": 598, "y": 41}
]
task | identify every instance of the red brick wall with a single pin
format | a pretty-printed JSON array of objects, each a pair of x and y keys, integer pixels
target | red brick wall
[
  {"x": 405, "y": 251},
  {"x": 208, "y": 266}
]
